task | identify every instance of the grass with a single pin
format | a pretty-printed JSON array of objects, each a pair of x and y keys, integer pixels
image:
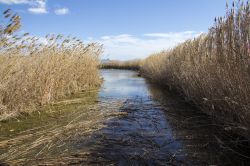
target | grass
[
  {"x": 213, "y": 70},
  {"x": 128, "y": 65},
  {"x": 38, "y": 71}
]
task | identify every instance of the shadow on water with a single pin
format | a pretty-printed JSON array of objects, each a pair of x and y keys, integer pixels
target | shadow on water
[
  {"x": 142, "y": 137},
  {"x": 201, "y": 135},
  {"x": 134, "y": 123}
]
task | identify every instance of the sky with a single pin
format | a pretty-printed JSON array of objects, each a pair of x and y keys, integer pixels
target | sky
[{"x": 128, "y": 29}]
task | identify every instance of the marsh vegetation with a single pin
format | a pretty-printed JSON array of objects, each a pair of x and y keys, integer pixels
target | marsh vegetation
[
  {"x": 211, "y": 71},
  {"x": 38, "y": 71},
  {"x": 128, "y": 121},
  {"x": 60, "y": 105},
  {"x": 128, "y": 65}
]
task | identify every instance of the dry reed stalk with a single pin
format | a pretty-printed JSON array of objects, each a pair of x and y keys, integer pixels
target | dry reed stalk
[
  {"x": 36, "y": 72},
  {"x": 213, "y": 70}
]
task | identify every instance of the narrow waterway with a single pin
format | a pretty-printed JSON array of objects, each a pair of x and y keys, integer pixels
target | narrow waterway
[
  {"x": 127, "y": 122},
  {"x": 160, "y": 128},
  {"x": 143, "y": 136}
]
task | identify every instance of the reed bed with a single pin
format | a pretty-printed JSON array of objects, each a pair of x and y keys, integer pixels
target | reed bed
[
  {"x": 59, "y": 139},
  {"x": 38, "y": 71},
  {"x": 213, "y": 70},
  {"x": 128, "y": 65}
]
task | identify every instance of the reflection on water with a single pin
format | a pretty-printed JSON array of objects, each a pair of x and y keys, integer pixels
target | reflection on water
[
  {"x": 128, "y": 122},
  {"x": 189, "y": 134},
  {"x": 200, "y": 134},
  {"x": 122, "y": 84},
  {"x": 144, "y": 135}
]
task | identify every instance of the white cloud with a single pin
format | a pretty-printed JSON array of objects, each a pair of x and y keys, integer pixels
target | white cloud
[
  {"x": 38, "y": 10},
  {"x": 36, "y": 6},
  {"x": 10, "y": 2},
  {"x": 61, "y": 11},
  {"x": 125, "y": 46},
  {"x": 122, "y": 39},
  {"x": 171, "y": 34}
]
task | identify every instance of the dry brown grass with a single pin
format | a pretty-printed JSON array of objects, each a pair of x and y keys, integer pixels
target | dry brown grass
[
  {"x": 127, "y": 65},
  {"x": 36, "y": 72},
  {"x": 212, "y": 71}
]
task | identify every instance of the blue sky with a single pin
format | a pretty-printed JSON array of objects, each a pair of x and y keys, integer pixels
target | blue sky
[{"x": 128, "y": 29}]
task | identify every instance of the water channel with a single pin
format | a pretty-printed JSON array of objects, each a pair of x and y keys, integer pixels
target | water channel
[{"x": 129, "y": 121}]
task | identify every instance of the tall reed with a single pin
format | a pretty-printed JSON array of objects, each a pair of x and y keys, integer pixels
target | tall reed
[
  {"x": 38, "y": 71},
  {"x": 127, "y": 65},
  {"x": 213, "y": 70}
]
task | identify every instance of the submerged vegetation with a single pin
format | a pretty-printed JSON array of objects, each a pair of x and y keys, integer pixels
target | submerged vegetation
[
  {"x": 38, "y": 71},
  {"x": 213, "y": 70}
]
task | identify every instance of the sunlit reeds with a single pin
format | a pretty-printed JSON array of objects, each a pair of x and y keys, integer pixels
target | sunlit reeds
[
  {"x": 213, "y": 70},
  {"x": 37, "y": 71}
]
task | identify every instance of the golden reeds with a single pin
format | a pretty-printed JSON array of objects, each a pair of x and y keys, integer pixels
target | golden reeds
[
  {"x": 37, "y": 71},
  {"x": 213, "y": 70}
]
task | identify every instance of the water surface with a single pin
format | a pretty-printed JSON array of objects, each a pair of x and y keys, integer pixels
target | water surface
[{"x": 129, "y": 121}]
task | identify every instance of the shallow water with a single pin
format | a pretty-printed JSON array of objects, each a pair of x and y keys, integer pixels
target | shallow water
[
  {"x": 144, "y": 135},
  {"x": 127, "y": 122}
]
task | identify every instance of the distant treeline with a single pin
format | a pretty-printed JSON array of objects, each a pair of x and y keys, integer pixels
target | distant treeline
[{"x": 128, "y": 65}]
